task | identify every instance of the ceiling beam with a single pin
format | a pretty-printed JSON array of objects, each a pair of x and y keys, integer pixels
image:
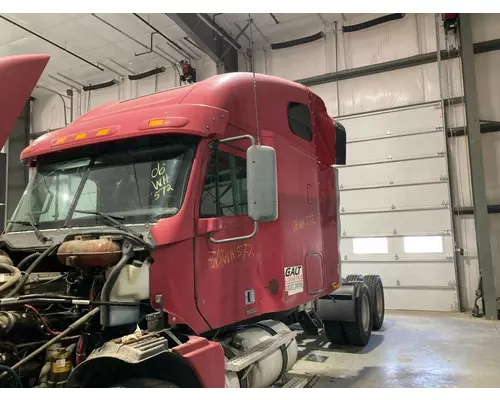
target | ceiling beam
[{"x": 211, "y": 39}]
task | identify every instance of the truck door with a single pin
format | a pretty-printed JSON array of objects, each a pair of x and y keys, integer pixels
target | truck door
[
  {"x": 303, "y": 207},
  {"x": 224, "y": 271}
]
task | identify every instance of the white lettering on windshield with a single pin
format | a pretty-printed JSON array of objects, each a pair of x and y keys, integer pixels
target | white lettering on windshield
[{"x": 160, "y": 181}]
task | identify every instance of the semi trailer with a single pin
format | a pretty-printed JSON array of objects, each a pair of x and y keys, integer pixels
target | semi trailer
[{"x": 176, "y": 239}]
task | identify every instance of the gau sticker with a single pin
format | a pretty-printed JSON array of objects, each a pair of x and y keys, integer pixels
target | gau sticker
[{"x": 294, "y": 280}]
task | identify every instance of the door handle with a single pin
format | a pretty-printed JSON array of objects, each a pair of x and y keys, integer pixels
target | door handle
[
  {"x": 235, "y": 239},
  {"x": 208, "y": 225}
]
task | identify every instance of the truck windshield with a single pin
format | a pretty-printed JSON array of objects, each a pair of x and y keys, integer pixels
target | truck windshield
[{"x": 135, "y": 186}]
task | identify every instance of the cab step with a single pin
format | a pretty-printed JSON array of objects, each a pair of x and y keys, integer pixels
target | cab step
[
  {"x": 309, "y": 322},
  {"x": 263, "y": 349},
  {"x": 296, "y": 383}
]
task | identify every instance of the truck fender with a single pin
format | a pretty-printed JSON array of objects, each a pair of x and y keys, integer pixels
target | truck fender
[
  {"x": 339, "y": 305},
  {"x": 150, "y": 357}
]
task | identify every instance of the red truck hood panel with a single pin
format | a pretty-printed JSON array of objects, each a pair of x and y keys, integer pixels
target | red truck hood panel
[{"x": 18, "y": 77}]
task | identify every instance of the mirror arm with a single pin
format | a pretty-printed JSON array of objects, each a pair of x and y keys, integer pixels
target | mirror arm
[
  {"x": 255, "y": 229},
  {"x": 255, "y": 223},
  {"x": 232, "y": 139}
]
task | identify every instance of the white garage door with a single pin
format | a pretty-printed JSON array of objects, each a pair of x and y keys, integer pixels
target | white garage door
[{"x": 395, "y": 213}]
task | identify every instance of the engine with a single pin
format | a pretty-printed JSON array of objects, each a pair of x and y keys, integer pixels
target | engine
[
  {"x": 49, "y": 322},
  {"x": 88, "y": 297}
]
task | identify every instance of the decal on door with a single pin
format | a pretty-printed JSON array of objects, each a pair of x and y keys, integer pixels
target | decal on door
[
  {"x": 221, "y": 257},
  {"x": 299, "y": 224},
  {"x": 294, "y": 280}
]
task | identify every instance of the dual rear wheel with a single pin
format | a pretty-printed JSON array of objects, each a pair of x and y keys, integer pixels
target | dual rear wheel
[{"x": 369, "y": 310}]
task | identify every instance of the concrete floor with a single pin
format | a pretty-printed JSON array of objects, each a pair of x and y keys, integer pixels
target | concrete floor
[{"x": 411, "y": 350}]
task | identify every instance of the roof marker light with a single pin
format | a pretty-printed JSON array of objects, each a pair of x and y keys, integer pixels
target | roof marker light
[
  {"x": 155, "y": 122},
  {"x": 102, "y": 132},
  {"x": 81, "y": 136}
]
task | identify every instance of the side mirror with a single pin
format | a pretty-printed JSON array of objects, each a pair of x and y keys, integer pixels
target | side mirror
[
  {"x": 340, "y": 144},
  {"x": 262, "y": 184}
]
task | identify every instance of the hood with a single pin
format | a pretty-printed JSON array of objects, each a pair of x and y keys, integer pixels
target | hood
[{"x": 18, "y": 77}]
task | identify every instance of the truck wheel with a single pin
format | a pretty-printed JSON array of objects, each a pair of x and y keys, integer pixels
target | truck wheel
[
  {"x": 358, "y": 333},
  {"x": 353, "y": 278},
  {"x": 334, "y": 332},
  {"x": 144, "y": 383},
  {"x": 377, "y": 300}
]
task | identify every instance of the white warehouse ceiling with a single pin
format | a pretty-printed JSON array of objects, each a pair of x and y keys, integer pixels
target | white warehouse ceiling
[{"x": 90, "y": 37}]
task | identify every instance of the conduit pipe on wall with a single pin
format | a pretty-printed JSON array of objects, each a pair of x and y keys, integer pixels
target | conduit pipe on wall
[
  {"x": 170, "y": 42},
  {"x": 136, "y": 41},
  {"x": 62, "y": 96}
]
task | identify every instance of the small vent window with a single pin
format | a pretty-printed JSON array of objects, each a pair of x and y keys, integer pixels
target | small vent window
[
  {"x": 370, "y": 246},
  {"x": 299, "y": 120},
  {"x": 423, "y": 244}
]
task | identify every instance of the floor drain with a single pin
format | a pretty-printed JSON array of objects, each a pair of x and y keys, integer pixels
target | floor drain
[{"x": 316, "y": 358}]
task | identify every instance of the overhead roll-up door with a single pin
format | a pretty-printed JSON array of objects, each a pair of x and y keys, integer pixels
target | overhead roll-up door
[{"x": 395, "y": 206}]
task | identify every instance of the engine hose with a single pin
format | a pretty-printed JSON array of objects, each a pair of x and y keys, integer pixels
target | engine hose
[
  {"x": 31, "y": 268},
  {"x": 27, "y": 259},
  {"x": 75, "y": 325},
  {"x": 127, "y": 254},
  {"x": 16, "y": 275},
  {"x": 31, "y": 344},
  {"x": 372, "y": 22},
  {"x": 45, "y": 296},
  {"x": 13, "y": 280},
  {"x": 11, "y": 372}
]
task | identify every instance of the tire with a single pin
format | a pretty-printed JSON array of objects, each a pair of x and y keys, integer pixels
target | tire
[
  {"x": 358, "y": 333},
  {"x": 144, "y": 383},
  {"x": 334, "y": 332},
  {"x": 353, "y": 278},
  {"x": 377, "y": 300}
]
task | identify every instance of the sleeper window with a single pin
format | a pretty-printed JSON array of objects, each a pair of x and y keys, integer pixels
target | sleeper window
[{"x": 299, "y": 120}]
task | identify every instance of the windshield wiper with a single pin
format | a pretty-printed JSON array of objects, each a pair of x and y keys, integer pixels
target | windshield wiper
[
  {"x": 116, "y": 224},
  {"x": 40, "y": 236}
]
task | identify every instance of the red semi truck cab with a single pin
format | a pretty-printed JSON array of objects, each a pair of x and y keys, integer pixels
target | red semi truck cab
[
  {"x": 151, "y": 161},
  {"x": 213, "y": 205}
]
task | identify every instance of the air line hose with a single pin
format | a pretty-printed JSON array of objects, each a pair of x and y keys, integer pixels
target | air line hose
[
  {"x": 16, "y": 275},
  {"x": 39, "y": 259}
]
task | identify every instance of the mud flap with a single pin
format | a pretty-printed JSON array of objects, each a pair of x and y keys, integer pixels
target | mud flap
[
  {"x": 338, "y": 305},
  {"x": 346, "y": 314}
]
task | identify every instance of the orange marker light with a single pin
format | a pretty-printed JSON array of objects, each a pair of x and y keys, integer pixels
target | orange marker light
[
  {"x": 60, "y": 140},
  {"x": 81, "y": 136},
  {"x": 155, "y": 122},
  {"x": 102, "y": 132}
]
